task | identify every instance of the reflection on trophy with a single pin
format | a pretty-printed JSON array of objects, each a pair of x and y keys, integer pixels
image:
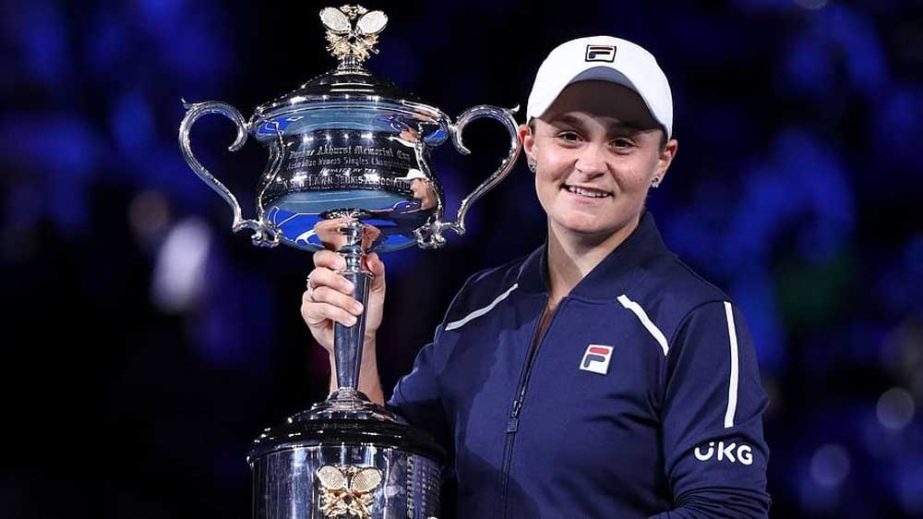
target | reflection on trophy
[{"x": 348, "y": 170}]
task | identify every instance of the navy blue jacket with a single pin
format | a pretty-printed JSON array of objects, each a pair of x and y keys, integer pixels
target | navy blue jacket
[{"x": 643, "y": 398}]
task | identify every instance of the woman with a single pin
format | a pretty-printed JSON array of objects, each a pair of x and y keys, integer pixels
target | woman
[{"x": 599, "y": 376}]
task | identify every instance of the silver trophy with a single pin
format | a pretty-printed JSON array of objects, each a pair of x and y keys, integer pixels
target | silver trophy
[{"x": 348, "y": 170}]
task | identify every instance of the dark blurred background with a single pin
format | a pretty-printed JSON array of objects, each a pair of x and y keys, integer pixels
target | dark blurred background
[{"x": 145, "y": 345}]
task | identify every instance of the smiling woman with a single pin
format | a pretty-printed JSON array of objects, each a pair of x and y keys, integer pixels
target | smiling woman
[
  {"x": 588, "y": 378},
  {"x": 597, "y": 152}
]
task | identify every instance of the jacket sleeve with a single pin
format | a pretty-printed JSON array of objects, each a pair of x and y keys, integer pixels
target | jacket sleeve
[
  {"x": 418, "y": 396},
  {"x": 715, "y": 456}
]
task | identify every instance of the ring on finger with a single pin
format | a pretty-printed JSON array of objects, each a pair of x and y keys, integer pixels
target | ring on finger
[{"x": 310, "y": 285}]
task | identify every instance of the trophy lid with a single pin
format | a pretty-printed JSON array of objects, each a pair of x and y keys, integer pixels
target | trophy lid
[{"x": 349, "y": 90}]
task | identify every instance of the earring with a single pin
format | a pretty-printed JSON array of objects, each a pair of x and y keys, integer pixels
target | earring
[
  {"x": 532, "y": 165},
  {"x": 656, "y": 182}
]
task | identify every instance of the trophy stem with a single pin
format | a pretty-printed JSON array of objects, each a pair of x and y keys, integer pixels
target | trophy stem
[{"x": 348, "y": 341}]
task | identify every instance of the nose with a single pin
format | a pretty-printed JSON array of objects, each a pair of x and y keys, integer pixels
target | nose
[{"x": 591, "y": 160}]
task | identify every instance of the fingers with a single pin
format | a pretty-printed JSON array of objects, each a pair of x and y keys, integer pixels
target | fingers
[
  {"x": 336, "y": 299},
  {"x": 323, "y": 277},
  {"x": 318, "y": 313},
  {"x": 375, "y": 265},
  {"x": 329, "y": 294},
  {"x": 329, "y": 259}
]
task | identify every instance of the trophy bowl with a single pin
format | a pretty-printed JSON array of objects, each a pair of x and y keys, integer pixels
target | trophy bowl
[
  {"x": 348, "y": 170},
  {"x": 349, "y": 143}
]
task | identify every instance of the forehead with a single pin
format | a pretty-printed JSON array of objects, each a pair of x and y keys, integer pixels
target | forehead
[{"x": 604, "y": 100}]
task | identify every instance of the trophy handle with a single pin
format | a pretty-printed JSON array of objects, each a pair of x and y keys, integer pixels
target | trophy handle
[
  {"x": 262, "y": 235},
  {"x": 431, "y": 235}
]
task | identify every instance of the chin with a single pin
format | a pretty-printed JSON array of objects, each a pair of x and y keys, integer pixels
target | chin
[
  {"x": 583, "y": 227},
  {"x": 588, "y": 225},
  {"x": 592, "y": 232}
]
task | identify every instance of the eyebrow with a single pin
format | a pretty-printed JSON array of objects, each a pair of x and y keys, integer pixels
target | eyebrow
[{"x": 616, "y": 127}]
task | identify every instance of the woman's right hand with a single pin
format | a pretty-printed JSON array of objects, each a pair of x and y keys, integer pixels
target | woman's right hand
[{"x": 328, "y": 298}]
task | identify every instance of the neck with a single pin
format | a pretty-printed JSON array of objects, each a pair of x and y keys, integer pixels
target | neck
[{"x": 571, "y": 256}]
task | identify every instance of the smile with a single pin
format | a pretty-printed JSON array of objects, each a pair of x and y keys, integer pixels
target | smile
[{"x": 588, "y": 192}]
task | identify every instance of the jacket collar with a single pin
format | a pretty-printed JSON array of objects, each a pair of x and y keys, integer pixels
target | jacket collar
[{"x": 622, "y": 269}]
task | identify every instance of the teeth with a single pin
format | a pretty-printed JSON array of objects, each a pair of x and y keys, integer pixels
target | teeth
[{"x": 587, "y": 192}]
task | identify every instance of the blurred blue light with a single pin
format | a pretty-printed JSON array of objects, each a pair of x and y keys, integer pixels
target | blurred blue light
[
  {"x": 232, "y": 328},
  {"x": 21, "y": 207},
  {"x": 765, "y": 203},
  {"x": 815, "y": 497},
  {"x": 898, "y": 125},
  {"x": 112, "y": 42},
  {"x": 754, "y": 6},
  {"x": 817, "y": 183},
  {"x": 67, "y": 204},
  {"x": 811, "y": 4},
  {"x": 895, "y": 408},
  {"x": 164, "y": 168},
  {"x": 807, "y": 66},
  {"x": 60, "y": 144},
  {"x": 63, "y": 159},
  {"x": 910, "y": 485},
  {"x": 837, "y": 37},
  {"x": 858, "y": 37},
  {"x": 196, "y": 53},
  {"x": 901, "y": 283},
  {"x": 913, "y": 256},
  {"x": 43, "y": 34},
  {"x": 753, "y": 293},
  {"x": 165, "y": 14},
  {"x": 398, "y": 62},
  {"x": 132, "y": 122},
  {"x": 830, "y": 465},
  {"x": 690, "y": 230}
]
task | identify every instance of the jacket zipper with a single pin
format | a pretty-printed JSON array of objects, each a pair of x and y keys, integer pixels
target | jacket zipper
[{"x": 512, "y": 424}]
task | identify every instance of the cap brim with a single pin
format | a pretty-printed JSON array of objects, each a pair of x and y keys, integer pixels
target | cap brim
[{"x": 600, "y": 73}]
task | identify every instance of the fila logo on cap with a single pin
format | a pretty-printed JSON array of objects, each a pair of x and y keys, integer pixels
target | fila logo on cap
[
  {"x": 600, "y": 53},
  {"x": 596, "y": 359}
]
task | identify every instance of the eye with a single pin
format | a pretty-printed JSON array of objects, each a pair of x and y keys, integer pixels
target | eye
[
  {"x": 568, "y": 136},
  {"x": 623, "y": 143}
]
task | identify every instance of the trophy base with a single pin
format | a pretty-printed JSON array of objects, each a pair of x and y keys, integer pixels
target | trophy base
[
  {"x": 345, "y": 457},
  {"x": 345, "y": 480}
]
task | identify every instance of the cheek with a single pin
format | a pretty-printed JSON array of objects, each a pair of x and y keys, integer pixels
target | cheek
[
  {"x": 554, "y": 158},
  {"x": 640, "y": 173},
  {"x": 552, "y": 169},
  {"x": 548, "y": 181},
  {"x": 544, "y": 191}
]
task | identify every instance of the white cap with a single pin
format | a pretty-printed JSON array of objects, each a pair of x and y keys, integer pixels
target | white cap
[{"x": 608, "y": 59}]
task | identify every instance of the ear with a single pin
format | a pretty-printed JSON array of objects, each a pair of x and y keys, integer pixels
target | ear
[
  {"x": 528, "y": 140},
  {"x": 665, "y": 158}
]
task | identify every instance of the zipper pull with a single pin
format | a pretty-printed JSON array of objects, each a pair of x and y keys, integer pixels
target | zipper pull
[{"x": 513, "y": 424}]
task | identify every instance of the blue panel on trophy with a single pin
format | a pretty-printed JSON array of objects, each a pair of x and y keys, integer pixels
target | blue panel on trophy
[
  {"x": 317, "y": 202},
  {"x": 372, "y": 118},
  {"x": 297, "y": 216},
  {"x": 377, "y": 222},
  {"x": 436, "y": 137}
]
